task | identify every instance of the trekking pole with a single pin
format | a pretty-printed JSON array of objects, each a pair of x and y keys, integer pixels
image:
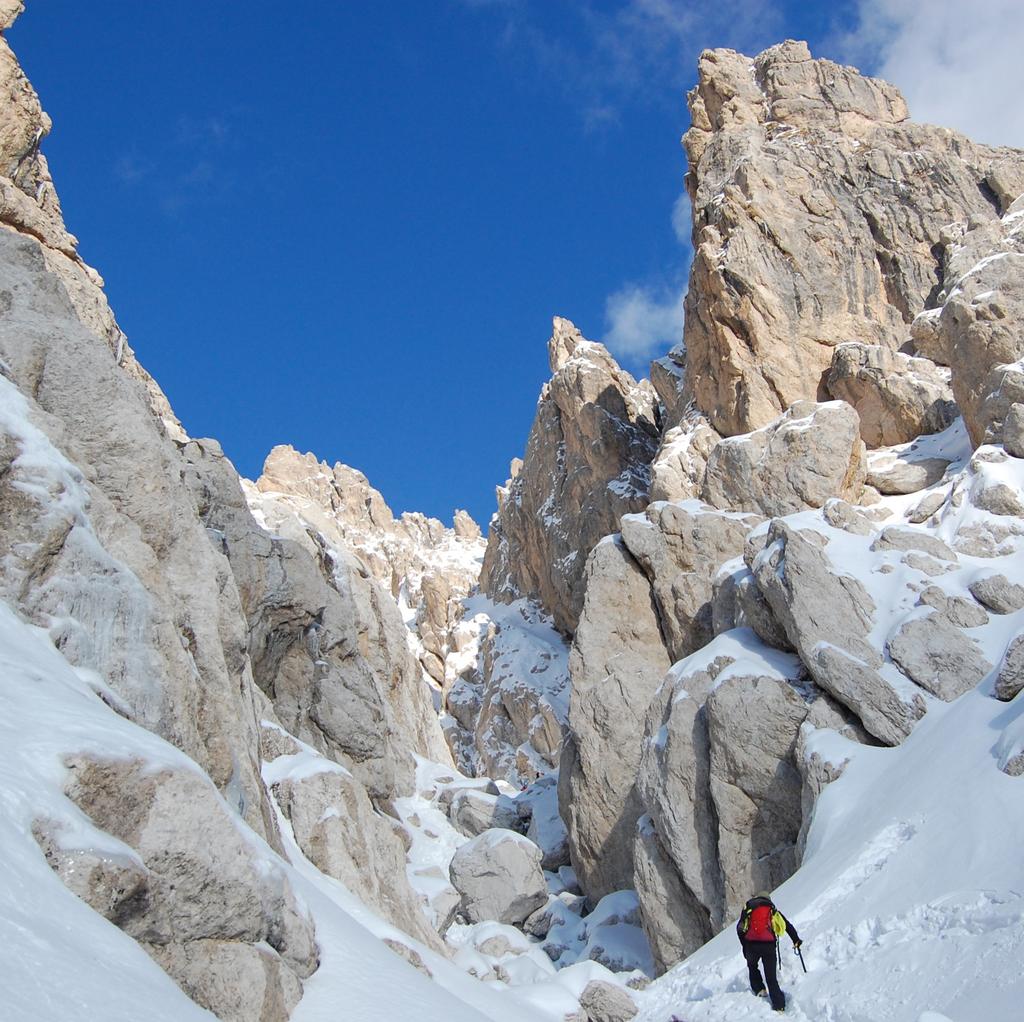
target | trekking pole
[{"x": 799, "y": 955}]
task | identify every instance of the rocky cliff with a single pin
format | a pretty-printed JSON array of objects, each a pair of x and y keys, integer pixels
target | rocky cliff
[
  {"x": 132, "y": 547},
  {"x": 842, "y": 251},
  {"x": 804, "y": 555}
]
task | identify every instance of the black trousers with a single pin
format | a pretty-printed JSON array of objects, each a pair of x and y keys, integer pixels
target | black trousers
[{"x": 761, "y": 952}]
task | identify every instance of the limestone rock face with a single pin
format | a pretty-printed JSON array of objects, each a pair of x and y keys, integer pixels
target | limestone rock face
[
  {"x": 499, "y": 876},
  {"x": 426, "y": 565},
  {"x": 977, "y": 333},
  {"x": 327, "y": 645},
  {"x": 339, "y": 831},
  {"x": 896, "y": 396},
  {"x": 137, "y": 594},
  {"x": 809, "y": 455},
  {"x": 617, "y": 661},
  {"x": 198, "y": 897},
  {"x": 818, "y": 209},
  {"x": 587, "y": 463}
]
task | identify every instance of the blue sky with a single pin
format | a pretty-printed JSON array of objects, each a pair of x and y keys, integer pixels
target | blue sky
[{"x": 346, "y": 226}]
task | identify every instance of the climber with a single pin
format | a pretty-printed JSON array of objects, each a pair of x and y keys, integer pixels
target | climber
[{"x": 759, "y": 928}]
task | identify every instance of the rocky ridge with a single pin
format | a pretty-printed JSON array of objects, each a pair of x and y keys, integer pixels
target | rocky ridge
[
  {"x": 586, "y": 465},
  {"x": 427, "y": 567}
]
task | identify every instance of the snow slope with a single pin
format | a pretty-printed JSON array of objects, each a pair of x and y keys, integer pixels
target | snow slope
[
  {"x": 911, "y": 895},
  {"x": 64, "y": 961}
]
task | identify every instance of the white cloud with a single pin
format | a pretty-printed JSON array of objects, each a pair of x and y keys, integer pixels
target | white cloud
[
  {"x": 643, "y": 321},
  {"x": 682, "y": 214},
  {"x": 959, "y": 65}
]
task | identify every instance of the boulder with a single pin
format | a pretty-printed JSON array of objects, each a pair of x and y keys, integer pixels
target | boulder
[
  {"x": 674, "y": 921},
  {"x": 896, "y": 396},
  {"x": 809, "y": 455},
  {"x": 938, "y": 656},
  {"x": 826, "y": 615},
  {"x": 472, "y": 812},
  {"x": 681, "y": 547},
  {"x": 958, "y": 611},
  {"x": 237, "y": 982},
  {"x": 755, "y": 784},
  {"x": 192, "y": 888},
  {"x": 738, "y": 603},
  {"x": 606, "y": 1002},
  {"x": 499, "y": 876},
  {"x": 998, "y": 593},
  {"x": 677, "y": 472},
  {"x": 720, "y": 786},
  {"x": 1013, "y": 431},
  {"x": 1010, "y": 679},
  {"x": 892, "y": 473}
]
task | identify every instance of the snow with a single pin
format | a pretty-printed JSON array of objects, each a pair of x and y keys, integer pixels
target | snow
[
  {"x": 747, "y": 656},
  {"x": 911, "y": 894},
  {"x": 62, "y": 959}
]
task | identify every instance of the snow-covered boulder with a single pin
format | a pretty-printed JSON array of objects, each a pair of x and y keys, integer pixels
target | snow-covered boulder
[
  {"x": 810, "y": 454},
  {"x": 998, "y": 593},
  {"x": 499, "y": 877},
  {"x": 606, "y": 1002},
  {"x": 897, "y": 397},
  {"x": 473, "y": 811},
  {"x": 826, "y": 615},
  {"x": 1010, "y": 680},
  {"x": 938, "y": 656},
  {"x": 680, "y": 547},
  {"x": 188, "y": 885}
]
